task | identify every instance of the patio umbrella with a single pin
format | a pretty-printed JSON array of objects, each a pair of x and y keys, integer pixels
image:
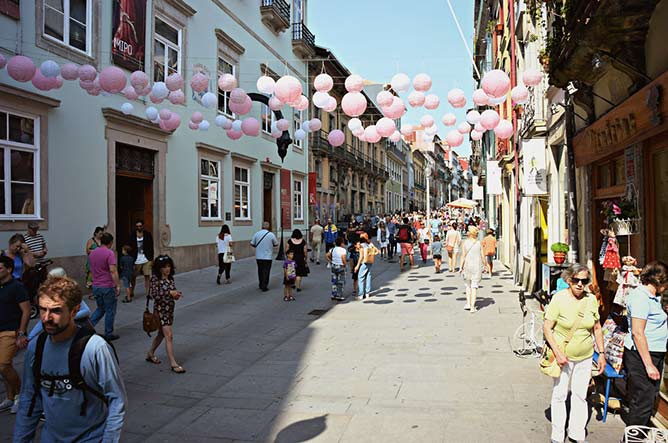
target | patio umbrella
[{"x": 462, "y": 203}]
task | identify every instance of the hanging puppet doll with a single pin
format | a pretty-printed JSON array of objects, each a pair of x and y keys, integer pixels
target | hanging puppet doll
[
  {"x": 611, "y": 262},
  {"x": 627, "y": 279}
]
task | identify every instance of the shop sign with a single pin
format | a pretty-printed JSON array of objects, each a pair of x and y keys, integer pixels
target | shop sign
[
  {"x": 533, "y": 162},
  {"x": 128, "y": 34},
  {"x": 494, "y": 186},
  {"x": 311, "y": 188},
  {"x": 286, "y": 201}
]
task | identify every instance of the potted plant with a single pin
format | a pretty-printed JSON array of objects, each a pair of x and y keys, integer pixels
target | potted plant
[
  {"x": 621, "y": 215},
  {"x": 559, "y": 250}
]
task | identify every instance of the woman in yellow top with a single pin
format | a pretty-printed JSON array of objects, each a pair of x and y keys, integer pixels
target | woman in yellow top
[{"x": 566, "y": 308}]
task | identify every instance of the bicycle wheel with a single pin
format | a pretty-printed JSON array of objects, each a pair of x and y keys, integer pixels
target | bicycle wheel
[{"x": 527, "y": 341}]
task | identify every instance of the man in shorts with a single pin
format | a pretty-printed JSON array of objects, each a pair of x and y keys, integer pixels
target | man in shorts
[
  {"x": 142, "y": 250},
  {"x": 406, "y": 238}
]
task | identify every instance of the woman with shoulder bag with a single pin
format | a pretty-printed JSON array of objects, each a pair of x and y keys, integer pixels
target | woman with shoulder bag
[
  {"x": 645, "y": 346},
  {"x": 297, "y": 245},
  {"x": 224, "y": 245},
  {"x": 368, "y": 254},
  {"x": 570, "y": 320}
]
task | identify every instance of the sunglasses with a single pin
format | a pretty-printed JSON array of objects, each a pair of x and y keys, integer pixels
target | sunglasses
[{"x": 582, "y": 281}]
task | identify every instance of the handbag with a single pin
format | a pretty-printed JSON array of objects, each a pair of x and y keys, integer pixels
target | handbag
[
  {"x": 151, "y": 320},
  {"x": 548, "y": 362},
  {"x": 228, "y": 256}
]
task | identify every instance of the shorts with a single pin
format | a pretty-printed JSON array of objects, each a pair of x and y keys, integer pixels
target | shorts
[
  {"x": 125, "y": 281},
  {"x": 406, "y": 248},
  {"x": 7, "y": 347},
  {"x": 289, "y": 281},
  {"x": 438, "y": 257},
  {"x": 144, "y": 269},
  {"x": 490, "y": 259}
]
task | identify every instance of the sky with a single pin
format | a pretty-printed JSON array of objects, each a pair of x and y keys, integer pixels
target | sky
[{"x": 377, "y": 39}]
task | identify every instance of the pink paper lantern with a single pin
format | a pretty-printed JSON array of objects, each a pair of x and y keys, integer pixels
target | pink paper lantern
[
  {"x": 199, "y": 82},
  {"x": 288, "y": 89},
  {"x": 504, "y": 129},
  {"x": 532, "y": 77},
  {"x": 238, "y": 96},
  {"x": 69, "y": 71},
  {"x": 88, "y": 72},
  {"x": 227, "y": 82},
  {"x": 358, "y": 132},
  {"x": 3, "y": 61},
  {"x": 196, "y": 117},
  {"x": 275, "y": 104},
  {"x": 331, "y": 105},
  {"x": 59, "y": 82},
  {"x": 395, "y": 137},
  {"x": 449, "y": 119},
  {"x": 250, "y": 126},
  {"x": 336, "y": 137},
  {"x": 422, "y": 82},
  {"x": 172, "y": 124},
  {"x": 396, "y": 110},
  {"x": 143, "y": 92},
  {"x": 519, "y": 94},
  {"x": 323, "y": 83},
  {"x": 138, "y": 80},
  {"x": 426, "y": 121},
  {"x": 21, "y": 68},
  {"x": 354, "y": 83},
  {"x": 384, "y": 98},
  {"x": 276, "y": 133},
  {"x": 480, "y": 98},
  {"x": 416, "y": 98},
  {"x": 495, "y": 83},
  {"x": 456, "y": 96},
  {"x": 234, "y": 135},
  {"x": 371, "y": 134},
  {"x": 130, "y": 93},
  {"x": 400, "y": 82},
  {"x": 154, "y": 99},
  {"x": 431, "y": 102},
  {"x": 177, "y": 97},
  {"x": 86, "y": 84},
  {"x": 454, "y": 138},
  {"x": 386, "y": 127},
  {"x": 459, "y": 104},
  {"x": 475, "y": 135},
  {"x": 489, "y": 119},
  {"x": 192, "y": 125},
  {"x": 174, "y": 82},
  {"x": 464, "y": 128},
  {"x": 112, "y": 79},
  {"x": 353, "y": 104},
  {"x": 95, "y": 89},
  {"x": 302, "y": 103},
  {"x": 165, "y": 114},
  {"x": 316, "y": 124},
  {"x": 282, "y": 124},
  {"x": 243, "y": 108},
  {"x": 43, "y": 83}
]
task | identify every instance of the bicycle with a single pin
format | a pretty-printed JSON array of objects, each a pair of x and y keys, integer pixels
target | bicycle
[{"x": 528, "y": 341}]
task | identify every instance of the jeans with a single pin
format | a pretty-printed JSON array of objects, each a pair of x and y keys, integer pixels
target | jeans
[
  {"x": 392, "y": 248},
  {"x": 315, "y": 254},
  {"x": 106, "y": 307},
  {"x": 338, "y": 280},
  {"x": 641, "y": 390},
  {"x": 263, "y": 271},
  {"x": 224, "y": 267},
  {"x": 364, "y": 275},
  {"x": 578, "y": 373}
]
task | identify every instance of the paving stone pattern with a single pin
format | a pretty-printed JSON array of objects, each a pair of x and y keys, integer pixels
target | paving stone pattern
[{"x": 409, "y": 364}]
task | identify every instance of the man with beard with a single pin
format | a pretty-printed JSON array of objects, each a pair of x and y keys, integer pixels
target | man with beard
[{"x": 70, "y": 375}]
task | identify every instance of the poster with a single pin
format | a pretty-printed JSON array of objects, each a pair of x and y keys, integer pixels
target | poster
[
  {"x": 286, "y": 200},
  {"x": 311, "y": 188},
  {"x": 129, "y": 34},
  {"x": 494, "y": 178},
  {"x": 533, "y": 162},
  {"x": 478, "y": 192}
]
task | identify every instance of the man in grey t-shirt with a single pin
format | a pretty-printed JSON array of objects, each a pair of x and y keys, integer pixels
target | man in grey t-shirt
[{"x": 264, "y": 241}]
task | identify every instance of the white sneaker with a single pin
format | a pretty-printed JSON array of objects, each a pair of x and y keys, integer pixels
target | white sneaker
[
  {"x": 15, "y": 407},
  {"x": 327, "y": 265},
  {"x": 6, "y": 404}
]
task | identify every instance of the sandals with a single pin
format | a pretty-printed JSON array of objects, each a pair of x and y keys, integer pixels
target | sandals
[
  {"x": 151, "y": 358},
  {"x": 287, "y": 298},
  {"x": 178, "y": 369},
  {"x": 291, "y": 298},
  {"x": 126, "y": 300}
]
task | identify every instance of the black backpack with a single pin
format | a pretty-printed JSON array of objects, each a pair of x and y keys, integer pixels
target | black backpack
[{"x": 75, "y": 379}]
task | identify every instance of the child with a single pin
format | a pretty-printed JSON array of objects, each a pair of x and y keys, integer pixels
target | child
[
  {"x": 126, "y": 267},
  {"x": 289, "y": 276},
  {"x": 436, "y": 249}
]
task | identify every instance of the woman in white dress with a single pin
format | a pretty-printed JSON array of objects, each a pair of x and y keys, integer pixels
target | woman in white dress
[
  {"x": 471, "y": 266},
  {"x": 383, "y": 236}
]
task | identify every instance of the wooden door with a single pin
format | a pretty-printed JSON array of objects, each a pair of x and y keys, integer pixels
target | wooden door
[{"x": 268, "y": 198}]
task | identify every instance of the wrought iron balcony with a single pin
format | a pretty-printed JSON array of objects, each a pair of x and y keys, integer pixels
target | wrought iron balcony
[
  {"x": 303, "y": 40},
  {"x": 275, "y": 15}
]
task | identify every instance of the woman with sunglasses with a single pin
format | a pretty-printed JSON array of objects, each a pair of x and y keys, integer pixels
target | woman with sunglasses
[
  {"x": 164, "y": 294},
  {"x": 573, "y": 312}
]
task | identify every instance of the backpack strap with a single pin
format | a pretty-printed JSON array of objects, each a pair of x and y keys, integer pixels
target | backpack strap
[
  {"x": 74, "y": 356},
  {"x": 37, "y": 370}
]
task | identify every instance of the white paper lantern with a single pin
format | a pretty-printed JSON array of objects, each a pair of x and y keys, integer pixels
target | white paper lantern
[
  {"x": 236, "y": 125},
  {"x": 431, "y": 130},
  {"x": 266, "y": 84},
  {"x": 300, "y": 134},
  {"x": 50, "y": 69},
  {"x": 306, "y": 126},
  {"x": 220, "y": 120},
  {"x": 160, "y": 90},
  {"x": 473, "y": 117},
  {"x": 400, "y": 82},
  {"x": 151, "y": 113},
  {"x": 127, "y": 108},
  {"x": 204, "y": 125},
  {"x": 210, "y": 101},
  {"x": 320, "y": 99},
  {"x": 354, "y": 123}
]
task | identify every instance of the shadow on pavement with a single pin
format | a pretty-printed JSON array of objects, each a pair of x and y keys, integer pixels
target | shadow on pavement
[{"x": 303, "y": 430}]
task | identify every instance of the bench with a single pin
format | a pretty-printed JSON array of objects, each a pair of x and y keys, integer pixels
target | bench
[{"x": 609, "y": 373}]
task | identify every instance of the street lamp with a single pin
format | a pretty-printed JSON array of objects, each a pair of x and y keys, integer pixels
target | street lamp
[{"x": 427, "y": 174}]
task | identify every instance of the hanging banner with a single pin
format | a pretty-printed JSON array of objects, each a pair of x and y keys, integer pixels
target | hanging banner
[
  {"x": 311, "y": 188},
  {"x": 478, "y": 192},
  {"x": 128, "y": 30},
  {"x": 286, "y": 201},
  {"x": 494, "y": 178},
  {"x": 533, "y": 162}
]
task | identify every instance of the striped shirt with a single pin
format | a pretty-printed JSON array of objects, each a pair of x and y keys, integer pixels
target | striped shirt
[{"x": 36, "y": 244}]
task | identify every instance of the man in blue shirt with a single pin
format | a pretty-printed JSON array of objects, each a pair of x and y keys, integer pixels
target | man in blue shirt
[
  {"x": 331, "y": 232},
  {"x": 392, "y": 229},
  {"x": 264, "y": 241},
  {"x": 92, "y": 411}
]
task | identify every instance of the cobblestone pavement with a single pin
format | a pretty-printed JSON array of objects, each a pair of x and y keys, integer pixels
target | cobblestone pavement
[{"x": 408, "y": 364}]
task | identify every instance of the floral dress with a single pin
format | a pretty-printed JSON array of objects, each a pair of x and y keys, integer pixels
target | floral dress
[{"x": 163, "y": 302}]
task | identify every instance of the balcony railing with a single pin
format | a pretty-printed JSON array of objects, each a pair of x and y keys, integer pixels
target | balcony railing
[
  {"x": 303, "y": 40},
  {"x": 275, "y": 14}
]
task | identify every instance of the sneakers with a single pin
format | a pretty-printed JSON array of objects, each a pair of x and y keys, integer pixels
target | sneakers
[
  {"x": 6, "y": 404},
  {"x": 15, "y": 407},
  {"x": 327, "y": 265}
]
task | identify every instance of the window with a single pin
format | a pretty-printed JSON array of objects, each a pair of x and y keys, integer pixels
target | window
[
  {"x": 267, "y": 118},
  {"x": 210, "y": 192},
  {"x": 166, "y": 50},
  {"x": 68, "y": 21},
  {"x": 19, "y": 166},
  {"x": 225, "y": 67},
  {"x": 298, "y": 199},
  {"x": 297, "y": 120},
  {"x": 241, "y": 193}
]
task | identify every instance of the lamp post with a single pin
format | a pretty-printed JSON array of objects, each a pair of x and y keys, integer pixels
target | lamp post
[{"x": 427, "y": 174}]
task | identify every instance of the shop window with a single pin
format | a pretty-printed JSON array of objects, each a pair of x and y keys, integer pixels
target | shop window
[
  {"x": 241, "y": 193},
  {"x": 210, "y": 189},
  {"x": 225, "y": 67},
  {"x": 19, "y": 166},
  {"x": 166, "y": 50},
  {"x": 298, "y": 199}
]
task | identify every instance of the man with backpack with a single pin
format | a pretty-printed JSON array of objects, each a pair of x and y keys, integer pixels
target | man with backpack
[
  {"x": 406, "y": 238},
  {"x": 71, "y": 375}
]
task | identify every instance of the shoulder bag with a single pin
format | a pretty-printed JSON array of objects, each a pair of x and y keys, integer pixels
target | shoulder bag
[
  {"x": 548, "y": 362},
  {"x": 228, "y": 256}
]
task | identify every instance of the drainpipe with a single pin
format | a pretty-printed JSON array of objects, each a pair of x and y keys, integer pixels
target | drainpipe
[
  {"x": 513, "y": 83},
  {"x": 573, "y": 227}
]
